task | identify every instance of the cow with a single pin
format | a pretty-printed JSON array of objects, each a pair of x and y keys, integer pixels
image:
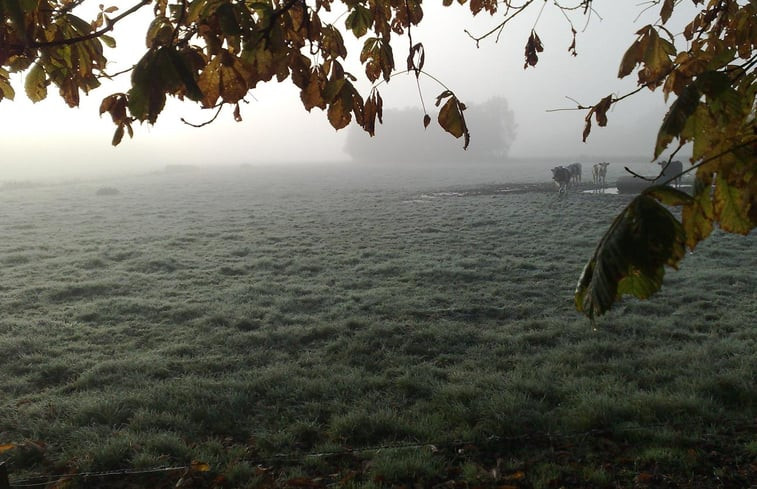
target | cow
[
  {"x": 561, "y": 176},
  {"x": 599, "y": 171},
  {"x": 670, "y": 172},
  {"x": 575, "y": 172}
]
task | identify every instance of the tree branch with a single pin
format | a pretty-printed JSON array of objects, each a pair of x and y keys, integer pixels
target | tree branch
[
  {"x": 87, "y": 37},
  {"x": 218, "y": 112}
]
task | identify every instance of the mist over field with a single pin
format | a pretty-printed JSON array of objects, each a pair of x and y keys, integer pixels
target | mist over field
[{"x": 234, "y": 314}]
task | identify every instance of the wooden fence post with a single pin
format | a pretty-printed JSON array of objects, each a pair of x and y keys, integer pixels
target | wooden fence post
[{"x": 4, "y": 484}]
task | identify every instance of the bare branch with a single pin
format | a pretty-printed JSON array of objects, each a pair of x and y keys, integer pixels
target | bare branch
[
  {"x": 218, "y": 112},
  {"x": 501, "y": 25}
]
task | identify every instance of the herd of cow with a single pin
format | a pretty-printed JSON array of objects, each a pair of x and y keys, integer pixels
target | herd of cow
[{"x": 567, "y": 176}]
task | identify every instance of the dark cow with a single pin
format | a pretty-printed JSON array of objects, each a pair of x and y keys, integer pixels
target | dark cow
[
  {"x": 575, "y": 172},
  {"x": 670, "y": 172},
  {"x": 561, "y": 176}
]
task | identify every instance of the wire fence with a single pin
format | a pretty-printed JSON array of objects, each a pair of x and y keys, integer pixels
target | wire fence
[{"x": 41, "y": 480}]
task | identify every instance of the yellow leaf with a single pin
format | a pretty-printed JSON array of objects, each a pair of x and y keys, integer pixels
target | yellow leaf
[
  {"x": 631, "y": 58},
  {"x": 451, "y": 119},
  {"x": 8, "y": 446},
  {"x": 732, "y": 205},
  {"x": 198, "y": 466},
  {"x": 36, "y": 83},
  {"x": 697, "y": 216}
]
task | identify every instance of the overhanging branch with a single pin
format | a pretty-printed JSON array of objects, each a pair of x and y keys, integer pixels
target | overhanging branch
[{"x": 93, "y": 35}]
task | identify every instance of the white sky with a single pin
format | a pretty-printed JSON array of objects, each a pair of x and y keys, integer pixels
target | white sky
[{"x": 49, "y": 139}]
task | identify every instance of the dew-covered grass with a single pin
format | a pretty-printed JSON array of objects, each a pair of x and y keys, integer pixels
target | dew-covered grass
[{"x": 233, "y": 316}]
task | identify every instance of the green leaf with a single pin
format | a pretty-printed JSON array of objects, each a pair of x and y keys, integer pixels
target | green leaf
[
  {"x": 668, "y": 195},
  {"x": 631, "y": 256},
  {"x": 36, "y": 83},
  {"x": 228, "y": 19},
  {"x": 184, "y": 74},
  {"x": 359, "y": 20}
]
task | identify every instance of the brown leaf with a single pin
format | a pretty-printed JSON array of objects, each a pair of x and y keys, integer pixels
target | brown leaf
[
  {"x": 312, "y": 94},
  {"x": 416, "y": 59},
  {"x": 572, "y": 47},
  {"x": 600, "y": 110},
  {"x": 533, "y": 46},
  {"x": 666, "y": 10},
  {"x": 452, "y": 120},
  {"x": 426, "y": 120},
  {"x": 338, "y": 114},
  {"x": 118, "y": 135}
]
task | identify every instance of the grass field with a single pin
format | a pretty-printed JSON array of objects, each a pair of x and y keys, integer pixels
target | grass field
[{"x": 248, "y": 320}]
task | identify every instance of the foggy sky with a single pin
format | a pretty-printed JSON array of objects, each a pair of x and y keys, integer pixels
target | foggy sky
[{"x": 50, "y": 140}]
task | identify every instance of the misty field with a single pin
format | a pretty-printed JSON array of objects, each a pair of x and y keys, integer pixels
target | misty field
[{"x": 248, "y": 320}]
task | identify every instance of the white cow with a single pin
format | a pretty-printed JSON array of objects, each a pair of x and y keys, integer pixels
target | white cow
[{"x": 599, "y": 171}]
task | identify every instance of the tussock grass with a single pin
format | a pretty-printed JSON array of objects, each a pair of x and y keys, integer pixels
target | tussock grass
[{"x": 232, "y": 320}]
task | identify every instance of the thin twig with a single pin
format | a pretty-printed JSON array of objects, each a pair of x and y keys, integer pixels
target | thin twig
[
  {"x": 501, "y": 25},
  {"x": 220, "y": 106}
]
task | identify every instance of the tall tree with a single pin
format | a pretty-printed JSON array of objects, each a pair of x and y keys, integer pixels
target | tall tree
[
  {"x": 404, "y": 139},
  {"x": 213, "y": 52}
]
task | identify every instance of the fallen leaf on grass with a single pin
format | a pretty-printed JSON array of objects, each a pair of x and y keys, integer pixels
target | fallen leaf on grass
[{"x": 6, "y": 447}]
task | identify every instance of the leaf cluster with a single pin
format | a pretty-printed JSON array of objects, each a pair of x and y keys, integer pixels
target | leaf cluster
[
  {"x": 213, "y": 53},
  {"x": 713, "y": 81}
]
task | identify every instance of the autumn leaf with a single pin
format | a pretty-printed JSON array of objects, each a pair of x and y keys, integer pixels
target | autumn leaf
[
  {"x": 118, "y": 136},
  {"x": 666, "y": 10},
  {"x": 731, "y": 205},
  {"x": 675, "y": 120},
  {"x": 339, "y": 114},
  {"x": 159, "y": 33},
  {"x": 599, "y": 111},
  {"x": 36, "y": 83},
  {"x": 225, "y": 78},
  {"x": 451, "y": 116},
  {"x": 533, "y": 46},
  {"x": 6, "y": 90},
  {"x": 656, "y": 59},
  {"x": 6, "y": 447},
  {"x": 372, "y": 110},
  {"x": 416, "y": 59},
  {"x": 312, "y": 94},
  {"x": 378, "y": 58},
  {"x": 197, "y": 466},
  {"x": 698, "y": 215}
]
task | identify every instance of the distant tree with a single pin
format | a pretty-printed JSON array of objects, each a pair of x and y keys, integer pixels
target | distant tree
[
  {"x": 213, "y": 52},
  {"x": 403, "y": 139}
]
